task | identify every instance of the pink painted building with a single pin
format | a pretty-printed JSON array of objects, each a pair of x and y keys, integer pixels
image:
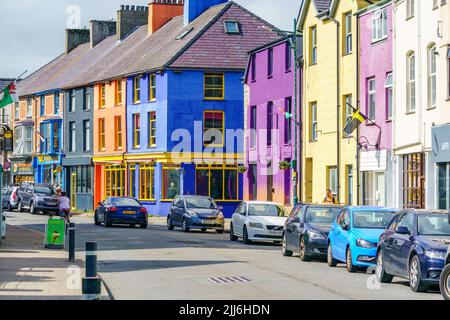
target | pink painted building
[
  {"x": 270, "y": 83},
  {"x": 375, "y": 101}
]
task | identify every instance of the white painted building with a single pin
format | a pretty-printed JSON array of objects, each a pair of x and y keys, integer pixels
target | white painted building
[{"x": 421, "y": 76}]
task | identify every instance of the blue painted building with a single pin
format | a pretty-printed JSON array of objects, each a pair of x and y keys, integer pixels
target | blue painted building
[{"x": 192, "y": 103}]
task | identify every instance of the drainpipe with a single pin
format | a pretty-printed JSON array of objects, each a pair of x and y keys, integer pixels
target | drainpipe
[
  {"x": 358, "y": 150},
  {"x": 338, "y": 107}
]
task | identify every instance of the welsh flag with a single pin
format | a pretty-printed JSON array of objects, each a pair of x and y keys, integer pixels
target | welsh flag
[{"x": 8, "y": 95}]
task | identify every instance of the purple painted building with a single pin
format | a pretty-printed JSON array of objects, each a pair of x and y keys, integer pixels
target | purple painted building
[
  {"x": 375, "y": 101},
  {"x": 269, "y": 139}
]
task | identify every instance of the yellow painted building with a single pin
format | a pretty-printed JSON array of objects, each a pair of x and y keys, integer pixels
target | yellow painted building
[{"x": 329, "y": 82}]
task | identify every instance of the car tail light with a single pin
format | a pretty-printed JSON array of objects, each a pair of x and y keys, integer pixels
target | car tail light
[
  {"x": 143, "y": 210},
  {"x": 14, "y": 195},
  {"x": 114, "y": 209}
]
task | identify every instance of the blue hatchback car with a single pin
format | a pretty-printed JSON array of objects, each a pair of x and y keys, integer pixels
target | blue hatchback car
[
  {"x": 414, "y": 247},
  {"x": 354, "y": 236}
]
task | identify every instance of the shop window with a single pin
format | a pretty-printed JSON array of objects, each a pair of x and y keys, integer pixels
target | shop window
[
  {"x": 170, "y": 182},
  {"x": 414, "y": 181},
  {"x": 115, "y": 181},
  {"x": 217, "y": 181},
  {"x": 146, "y": 182}
]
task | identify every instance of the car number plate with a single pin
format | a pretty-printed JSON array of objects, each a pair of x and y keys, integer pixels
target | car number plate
[
  {"x": 129, "y": 212},
  {"x": 276, "y": 233},
  {"x": 209, "y": 222}
]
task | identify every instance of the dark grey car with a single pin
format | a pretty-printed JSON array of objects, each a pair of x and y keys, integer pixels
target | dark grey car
[{"x": 38, "y": 198}]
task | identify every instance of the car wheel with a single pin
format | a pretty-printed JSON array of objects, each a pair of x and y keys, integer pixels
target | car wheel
[
  {"x": 169, "y": 224},
  {"x": 232, "y": 236},
  {"x": 133, "y": 225},
  {"x": 97, "y": 223},
  {"x": 108, "y": 224},
  {"x": 144, "y": 226},
  {"x": 245, "y": 239},
  {"x": 445, "y": 282},
  {"x": 8, "y": 207},
  {"x": 32, "y": 209},
  {"x": 415, "y": 276},
  {"x": 185, "y": 226},
  {"x": 219, "y": 231},
  {"x": 382, "y": 275},
  {"x": 302, "y": 250},
  {"x": 19, "y": 206},
  {"x": 332, "y": 262},
  {"x": 349, "y": 262},
  {"x": 204, "y": 230},
  {"x": 284, "y": 250}
]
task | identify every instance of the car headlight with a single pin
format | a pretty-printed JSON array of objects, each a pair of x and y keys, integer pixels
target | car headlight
[
  {"x": 440, "y": 255},
  {"x": 192, "y": 214},
  {"x": 315, "y": 235},
  {"x": 220, "y": 216},
  {"x": 256, "y": 225},
  {"x": 365, "y": 244}
]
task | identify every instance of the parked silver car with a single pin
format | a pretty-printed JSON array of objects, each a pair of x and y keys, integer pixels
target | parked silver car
[{"x": 10, "y": 198}]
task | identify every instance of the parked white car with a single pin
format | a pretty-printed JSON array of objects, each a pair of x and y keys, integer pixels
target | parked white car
[{"x": 258, "y": 221}]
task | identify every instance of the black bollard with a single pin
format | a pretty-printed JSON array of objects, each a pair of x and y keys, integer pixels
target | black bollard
[
  {"x": 91, "y": 285},
  {"x": 72, "y": 242},
  {"x": 91, "y": 259}
]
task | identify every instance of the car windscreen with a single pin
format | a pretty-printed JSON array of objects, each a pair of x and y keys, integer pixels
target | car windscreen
[
  {"x": 44, "y": 190},
  {"x": 372, "y": 219},
  {"x": 433, "y": 225},
  {"x": 124, "y": 202},
  {"x": 321, "y": 216},
  {"x": 200, "y": 203},
  {"x": 266, "y": 210}
]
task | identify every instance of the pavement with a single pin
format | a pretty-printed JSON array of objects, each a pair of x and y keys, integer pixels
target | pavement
[
  {"x": 30, "y": 272},
  {"x": 157, "y": 264}
]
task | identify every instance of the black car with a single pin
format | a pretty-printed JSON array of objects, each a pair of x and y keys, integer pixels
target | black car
[
  {"x": 195, "y": 212},
  {"x": 121, "y": 210},
  {"x": 306, "y": 231},
  {"x": 445, "y": 275},
  {"x": 37, "y": 198}
]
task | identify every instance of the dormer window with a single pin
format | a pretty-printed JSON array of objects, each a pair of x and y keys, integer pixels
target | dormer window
[{"x": 232, "y": 27}]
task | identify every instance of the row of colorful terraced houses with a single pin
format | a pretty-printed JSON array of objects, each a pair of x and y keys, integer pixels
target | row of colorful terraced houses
[{"x": 110, "y": 115}]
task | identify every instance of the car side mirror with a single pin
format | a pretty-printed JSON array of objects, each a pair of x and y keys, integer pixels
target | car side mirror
[
  {"x": 345, "y": 227},
  {"x": 402, "y": 230},
  {"x": 220, "y": 208},
  {"x": 100, "y": 204}
]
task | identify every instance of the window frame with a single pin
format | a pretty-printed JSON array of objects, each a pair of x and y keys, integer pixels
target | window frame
[
  {"x": 145, "y": 194},
  {"x": 213, "y": 87},
  {"x": 313, "y": 136},
  {"x": 223, "y": 168},
  {"x": 152, "y": 87},
  {"x": 102, "y": 96},
  {"x": 118, "y": 133},
  {"x": 270, "y": 56},
  {"x": 72, "y": 137},
  {"x": 410, "y": 9},
  {"x": 432, "y": 77},
  {"x": 86, "y": 137},
  {"x": 348, "y": 115},
  {"x": 348, "y": 34},
  {"x": 118, "y": 93},
  {"x": 118, "y": 172},
  {"x": 313, "y": 56},
  {"x": 137, "y": 90},
  {"x": 136, "y": 118},
  {"x": 214, "y": 145},
  {"x": 29, "y": 111},
  {"x": 371, "y": 103},
  {"x": 411, "y": 102},
  {"x": 56, "y": 103},
  {"x": 101, "y": 135},
  {"x": 167, "y": 167},
  {"x": 152, "y": 118},
  {"x": 236, "y": 24},
  {"x": 389, "y": 91},
  {"x": 379, "y": 25}
]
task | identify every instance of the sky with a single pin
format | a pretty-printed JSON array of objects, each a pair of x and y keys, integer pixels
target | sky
[{"x": 32, "y": 31}]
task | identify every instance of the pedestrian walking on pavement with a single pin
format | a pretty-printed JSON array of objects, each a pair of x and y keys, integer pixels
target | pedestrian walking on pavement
[{"x": 330, "y": 198}]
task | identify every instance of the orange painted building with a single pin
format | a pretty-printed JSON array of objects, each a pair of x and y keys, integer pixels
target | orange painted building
[{"x": 109, "y": 140}]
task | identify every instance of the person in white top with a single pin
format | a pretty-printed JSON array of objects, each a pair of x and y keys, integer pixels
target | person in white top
[{"x": 64, "y": 206}]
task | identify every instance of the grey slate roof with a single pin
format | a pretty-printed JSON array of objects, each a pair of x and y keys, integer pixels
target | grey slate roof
[
  {"x": 322, "y": 5},
  {"x": 140, "y": 52}
]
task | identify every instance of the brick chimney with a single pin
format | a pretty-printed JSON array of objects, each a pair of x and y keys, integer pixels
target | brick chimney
[
  {"x": 194, "y": 8},
  {"x": 75, "y": 37},
  {"x": 100, "y": 30},
  {"x": 130, "y": 17},
  {"x": 161, "y": 11}
]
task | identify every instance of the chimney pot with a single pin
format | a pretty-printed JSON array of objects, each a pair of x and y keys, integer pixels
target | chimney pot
[
  {"x": 130, "y": 18},
  {"x": 162, "y": 11},
  {"x": 76, "y": 37}
]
